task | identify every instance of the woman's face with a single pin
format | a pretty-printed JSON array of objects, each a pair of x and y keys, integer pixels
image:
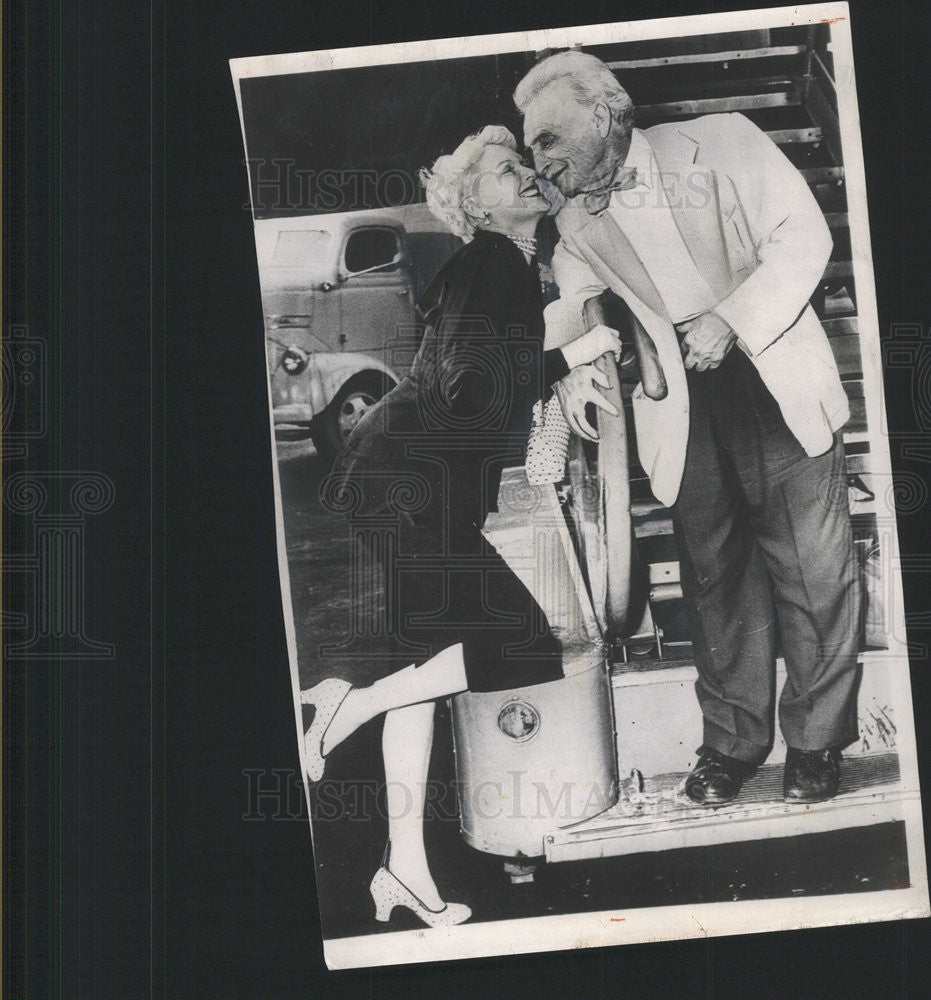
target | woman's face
[{"x": 505, "y": 188}]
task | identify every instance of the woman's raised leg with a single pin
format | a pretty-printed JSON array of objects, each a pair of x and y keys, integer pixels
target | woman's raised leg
[{"x": 441, "y": 676}]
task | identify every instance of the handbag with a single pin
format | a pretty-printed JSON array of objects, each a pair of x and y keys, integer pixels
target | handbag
[{"x": 547, "y": 443}]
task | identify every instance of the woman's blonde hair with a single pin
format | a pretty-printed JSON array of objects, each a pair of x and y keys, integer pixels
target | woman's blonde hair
[{"x": 446, "y": 182}]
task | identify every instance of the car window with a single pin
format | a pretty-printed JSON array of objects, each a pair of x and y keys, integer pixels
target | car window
[
  {"x": 367, "y": 248},
  {"x": 296, "y": 247}
]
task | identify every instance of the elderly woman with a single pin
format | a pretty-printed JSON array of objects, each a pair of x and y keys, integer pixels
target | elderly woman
[{"x": 428, "y": 458}]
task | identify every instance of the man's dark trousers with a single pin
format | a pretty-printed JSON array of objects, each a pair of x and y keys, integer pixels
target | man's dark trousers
[{"x": 768, "y": 565}]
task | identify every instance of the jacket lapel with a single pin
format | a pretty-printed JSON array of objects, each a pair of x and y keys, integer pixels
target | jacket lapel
[
  {"x": 609, "y": 251},
  {"x": 692, "y": 194}
]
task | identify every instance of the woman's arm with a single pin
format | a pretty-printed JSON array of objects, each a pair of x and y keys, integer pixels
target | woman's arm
[{"x": 555, "y": 367}]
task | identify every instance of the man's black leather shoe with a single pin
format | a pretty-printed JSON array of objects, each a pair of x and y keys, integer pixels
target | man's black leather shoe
[
  {"x": 811, "y": 775},
  {"x": 716, "y": 778}
]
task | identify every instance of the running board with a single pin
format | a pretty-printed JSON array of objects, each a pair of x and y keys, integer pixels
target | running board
[{"x": 660, "y": 818}]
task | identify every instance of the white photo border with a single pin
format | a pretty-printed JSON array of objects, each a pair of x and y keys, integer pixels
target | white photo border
[{"x": 610, "y": 928}]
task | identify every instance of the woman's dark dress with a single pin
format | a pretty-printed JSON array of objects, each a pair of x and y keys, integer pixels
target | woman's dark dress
[{"x": 422, "y": 469}]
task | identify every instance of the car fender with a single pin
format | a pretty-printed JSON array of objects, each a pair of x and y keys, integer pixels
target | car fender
[
  {"x": 299, "y": 397},
  {"x": 335, "y": 370}
]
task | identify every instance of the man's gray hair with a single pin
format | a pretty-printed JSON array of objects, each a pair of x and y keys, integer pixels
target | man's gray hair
[{"x": 590, "y": 81}]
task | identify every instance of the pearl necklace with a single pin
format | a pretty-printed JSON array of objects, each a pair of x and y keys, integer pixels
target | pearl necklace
[{"x": 526, "y": 243}]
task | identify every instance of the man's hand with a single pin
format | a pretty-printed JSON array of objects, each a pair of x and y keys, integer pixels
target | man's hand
[
  {"x": 578, "y": 388},
  {"x": 707, "y": 340}
]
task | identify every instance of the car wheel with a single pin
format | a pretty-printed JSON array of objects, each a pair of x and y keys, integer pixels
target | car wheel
[{"x": 347, "y": 408}]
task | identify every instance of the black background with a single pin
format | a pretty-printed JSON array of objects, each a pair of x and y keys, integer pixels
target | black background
[{"x": 129, "y": 871}]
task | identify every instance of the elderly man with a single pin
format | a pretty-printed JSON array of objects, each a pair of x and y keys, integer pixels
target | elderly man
[{"x": 715, "y": 243}]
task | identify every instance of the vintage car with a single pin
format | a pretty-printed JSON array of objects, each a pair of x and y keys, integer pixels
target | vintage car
[{"x": 338, "y": 293}]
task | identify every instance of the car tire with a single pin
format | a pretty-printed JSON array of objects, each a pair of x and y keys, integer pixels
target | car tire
[{"x": 333, "y": 426}]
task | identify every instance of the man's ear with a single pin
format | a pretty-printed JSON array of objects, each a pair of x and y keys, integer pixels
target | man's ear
[{"x": 603, "y": 120}]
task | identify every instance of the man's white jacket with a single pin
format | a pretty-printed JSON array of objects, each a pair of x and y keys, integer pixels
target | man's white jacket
[{"x": 759, "y": 239}]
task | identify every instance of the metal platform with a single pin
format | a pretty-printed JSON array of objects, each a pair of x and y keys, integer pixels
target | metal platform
[{"x": 660, "y": 818}]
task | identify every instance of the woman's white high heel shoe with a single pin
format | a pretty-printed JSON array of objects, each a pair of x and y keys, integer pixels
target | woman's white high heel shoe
[
  {"x": 326, "y": 697},
  {"x": 389, "y": 892}
]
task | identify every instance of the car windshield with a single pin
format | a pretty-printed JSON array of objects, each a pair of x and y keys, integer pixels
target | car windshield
[{"x": 297, "y": 247}]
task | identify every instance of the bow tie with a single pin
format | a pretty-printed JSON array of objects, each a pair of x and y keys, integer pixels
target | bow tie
[{"x": 598, "y": 200}]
